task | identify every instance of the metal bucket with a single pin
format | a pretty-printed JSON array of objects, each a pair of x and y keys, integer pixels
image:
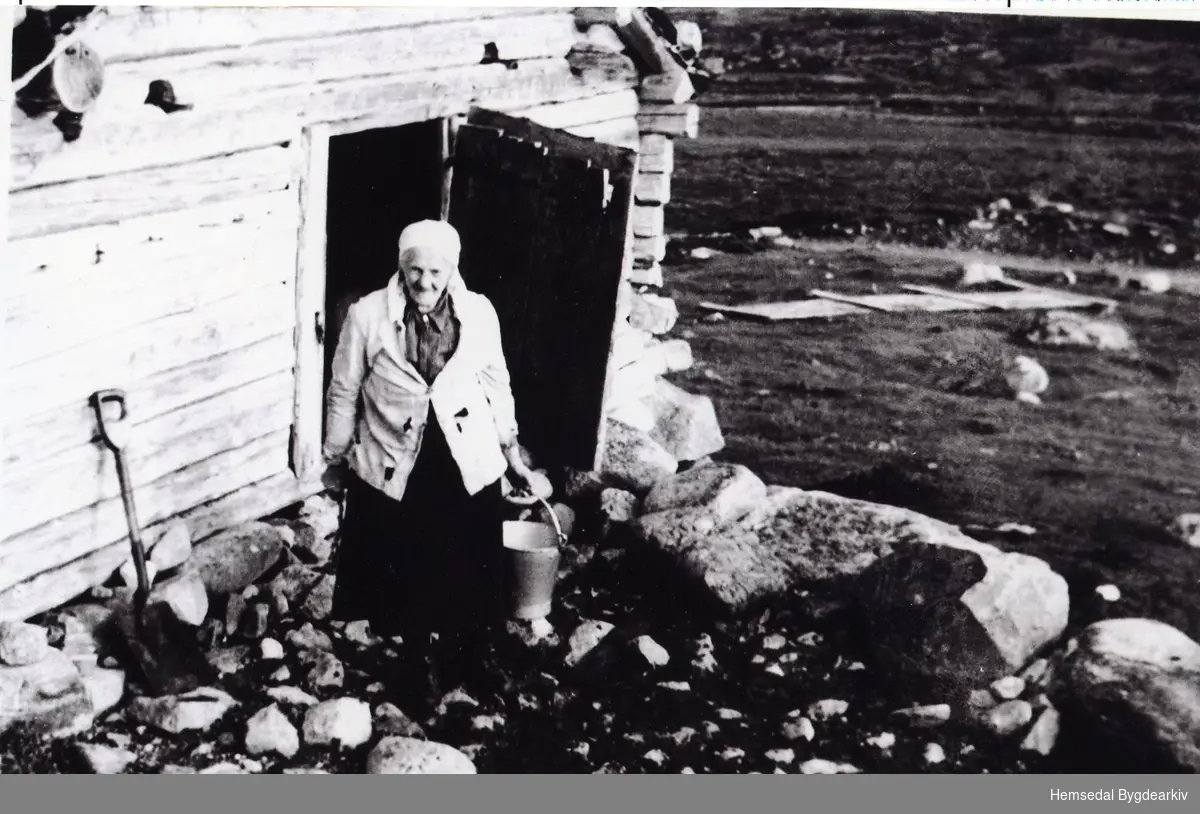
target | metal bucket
[{"x": 531, "y": 559}]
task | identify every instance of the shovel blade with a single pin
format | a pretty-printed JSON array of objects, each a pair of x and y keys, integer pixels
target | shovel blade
[{"x": 165, "y": 648}]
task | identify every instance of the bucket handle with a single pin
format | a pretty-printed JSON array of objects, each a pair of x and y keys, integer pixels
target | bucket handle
[{"x": 562, "y": 538}]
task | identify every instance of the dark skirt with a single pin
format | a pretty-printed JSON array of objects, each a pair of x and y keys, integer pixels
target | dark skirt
[{"x": 431, "y": 562}]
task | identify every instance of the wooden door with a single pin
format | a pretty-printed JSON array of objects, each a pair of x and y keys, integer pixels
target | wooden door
[{"x": 544, "y": 220}]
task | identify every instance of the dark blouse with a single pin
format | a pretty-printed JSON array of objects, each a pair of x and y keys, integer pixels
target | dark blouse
[{"x": 430, "y": 339}]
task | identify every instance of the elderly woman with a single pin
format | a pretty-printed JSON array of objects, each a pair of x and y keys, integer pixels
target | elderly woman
[{"x": 420, "y": 408}]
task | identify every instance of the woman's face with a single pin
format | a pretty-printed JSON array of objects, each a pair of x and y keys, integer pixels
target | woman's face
[{"x": 426, "y": 274}]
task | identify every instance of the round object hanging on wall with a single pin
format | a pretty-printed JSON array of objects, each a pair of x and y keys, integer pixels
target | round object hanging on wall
[{"x": 78, "y": 77}]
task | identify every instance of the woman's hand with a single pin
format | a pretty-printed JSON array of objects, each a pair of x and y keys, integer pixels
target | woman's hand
[{"x": 525, "y": 480}]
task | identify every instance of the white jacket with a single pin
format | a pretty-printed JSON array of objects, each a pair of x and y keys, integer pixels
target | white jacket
[{"x": 378, "y": 404}]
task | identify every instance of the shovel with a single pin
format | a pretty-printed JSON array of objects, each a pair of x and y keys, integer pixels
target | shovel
[{"x": 164, "y": 645}]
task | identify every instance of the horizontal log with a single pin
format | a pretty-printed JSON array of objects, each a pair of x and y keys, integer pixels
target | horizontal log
[
  {"x": 652, "y": 188},
  {"x": 70, "y": 258},
  {"x": 619, "y": 132},
  {"x": 678, "y": 121},
  {"x": 85, "y": 476},
  {"x": 39, "y": 437},
  {"x": 650, "y": 249},
  {"x": 603, "y": 107},
  {"x": 255, "y": 483},
  {"x": 673, "y": 87},
  {"x": 123, "y": 358},
  {"x": 648, "y": 221},
  {"x": 140, "y": 32},
  {"x": 48, "y": 326},
  {"x": 657, "y": 153},
  {"x": 588, "y": 16},
  {"x": 273, "y": 116},
  {"x": 114, "y": 198}
]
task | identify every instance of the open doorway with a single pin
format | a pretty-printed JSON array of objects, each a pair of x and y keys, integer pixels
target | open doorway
[{"x": 379, "y": 182}]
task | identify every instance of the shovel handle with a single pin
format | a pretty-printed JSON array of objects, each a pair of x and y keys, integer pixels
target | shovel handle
[{"x": 98, "y": 400}]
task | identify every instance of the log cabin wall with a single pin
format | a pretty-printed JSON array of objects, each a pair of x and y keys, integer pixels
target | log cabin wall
[{"x": 158, "y": 252}]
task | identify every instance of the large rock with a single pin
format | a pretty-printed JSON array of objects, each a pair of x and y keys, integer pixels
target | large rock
[
  {"x": 233, "y": 559},
  {"x": 981, "y": 614},
  {"x": 48, "y": 697},
  {"x": 269, "y": 730},
  {"x": 725, "y": 491},
  {"x": 22, "y": 644},
  {"x": 401, "y": 755},
  {"x": 653, "y": 313},
  {"x": 194, "y": 711},
  {"x": 173, "y": 548},
  {"x": 1073, "y": 329},
  {"x": 684, "y": 423},
  {"x": 185, "y": 593},
  {"x": 105, "y": 686},
  {"x": 635, "y": 459},
  {"x": 1137, "y": 682},
  {"x": 294, "y": 583},
  {"x": 340, "y": 721}
]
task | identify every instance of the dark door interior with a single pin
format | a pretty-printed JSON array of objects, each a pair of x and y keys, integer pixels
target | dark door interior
[
  {"x": 543, "y": 217},
  {"x": 379, "y": 182}
]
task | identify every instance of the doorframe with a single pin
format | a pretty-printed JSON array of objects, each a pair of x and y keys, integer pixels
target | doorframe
[{"x": 310, "y": 335}]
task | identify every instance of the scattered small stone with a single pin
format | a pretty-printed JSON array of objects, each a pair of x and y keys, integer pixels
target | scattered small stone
[
  {"x": 635, "y": 737},
  {"x": 1036, "y": 673},
  {"x": 1186, "y": 529},
  {"x": 726, "y": 714},
  {"x": 585, "y": 638},
  {"x": 455, "y": 697},
  {"x": 582, "y": 749},
  {"x": 810, "y": 639},
  {"x": 705, "y": 660},
  {"x": 228, "y": 660},
  {"x": 342, "y": 721},
  {"x": 307, "y": 637},
  {"x": 533, "y": 633},
  {"x": 172, "y": 768},
  {"x": 400, "y": 755},
  {"x": 711, "y": 729},
  {"x": 678, "y": 686},
  {"x": 1008, "y": 688},
  {"x": 856, "y": 666},
  {"x": 774, "y": 642},
  {"x": 820, "y": 766},
  {"x": 781, "y": 756},
  {"x": 684, "y": 735},
  {"x": 375, "y": 688},
  {"x": 255, "y": 622},
  {"x": 391, "y": 720},
  {"x": 1009, "y": 717},
  {"x": 293, "y": 696},
  {"x": 359, "y": 633},
  {"x": 926, "y": 715},
  {"x": 326, "y": 671},
  {"x": 759, "y": 659},
  {"x": 1109, "y": 593},
  {"x": 271, "y": 649},
  {"x": 487, "y": 723},
  {"x": 686, "y": 770},
  {"x": 105, "y": 759},
  {"x": 1016, "y": 528},
  {"x": 884, "y": 741},
  {"x": 934, "y": 754},
  {"x": 235, "y": 608},
  {"x": 656, "y": 757},
  {"x": 775, "y": 670},
  {"x": 981, "y": 699},
  {"x": 196, "y": 710},
  {"x": 269, "y": 730},
  {"x": 1043, "y": 735},
  {"x": 733, "y": 753},
  {"x": 281, "y": 675},
  {"x": 223, "y": 768},
  {"x": 799, "y": 730},
  {"x": 105, "y": 687},
  {"x": 653, "y": 652},
  {"x": 827, "y": 708},
  {"x": 319, "y": 602}
]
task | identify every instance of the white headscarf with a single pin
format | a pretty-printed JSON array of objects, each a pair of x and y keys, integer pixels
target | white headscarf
[{"x": 436, "y": 235}]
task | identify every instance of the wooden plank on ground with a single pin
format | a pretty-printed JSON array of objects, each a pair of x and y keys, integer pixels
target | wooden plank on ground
[
  {"x": 80, "y": 533},
  {"x": 86, "y": 475},
  {"x": 961, "y": 298},
  {"x": 125, "y": 358},
  {"x": 114, "y": 198},
  {"x": 37, "y": 437},
  {"x": 779, "y": 311},
  {"x": 58, "y": 585},
  {"x": 868, "y": 302}
]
